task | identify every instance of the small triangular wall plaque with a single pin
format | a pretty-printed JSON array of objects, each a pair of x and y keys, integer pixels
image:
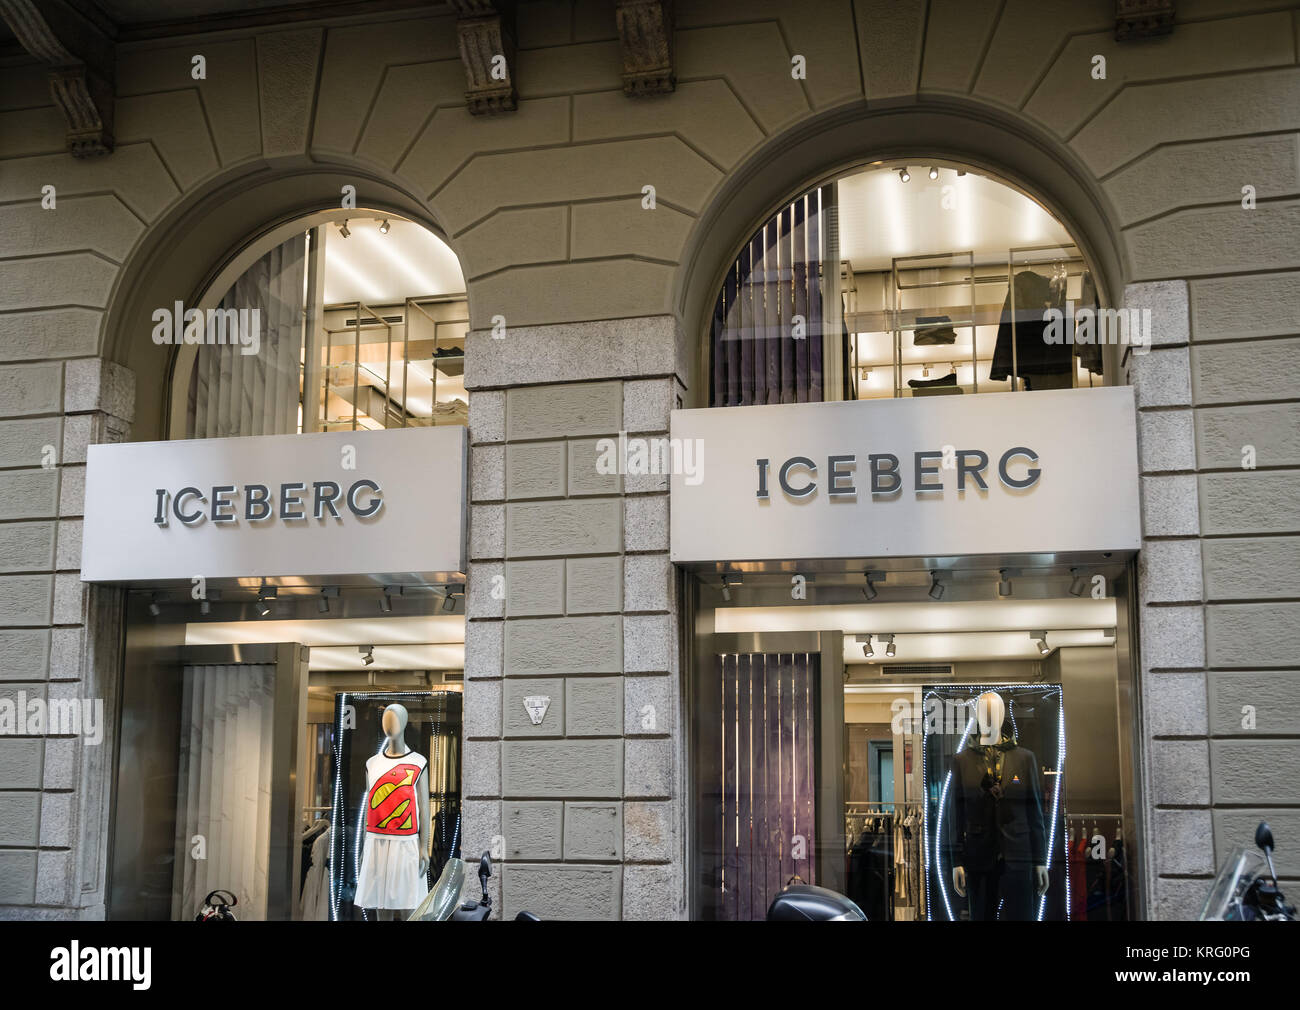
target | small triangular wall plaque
[{"x": 536, "y": 705}]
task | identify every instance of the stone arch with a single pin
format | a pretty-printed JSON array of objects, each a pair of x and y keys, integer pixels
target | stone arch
[
  {"x": 826, "y": 146},
  {"x": 213, "y": 233}
]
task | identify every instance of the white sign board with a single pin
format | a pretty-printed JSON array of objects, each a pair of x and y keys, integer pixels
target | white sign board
[
  {"x": 998, "y": 473},
  {"x": 379, "y": 503}
]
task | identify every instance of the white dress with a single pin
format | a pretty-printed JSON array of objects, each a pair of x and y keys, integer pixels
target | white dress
[{"x": 390, "y": 855}]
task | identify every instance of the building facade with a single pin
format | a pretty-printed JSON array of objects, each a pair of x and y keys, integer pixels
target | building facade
[{"x": 596, "y": 197}]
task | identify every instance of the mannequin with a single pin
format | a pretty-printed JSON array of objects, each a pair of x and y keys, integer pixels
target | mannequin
[
  {"x": 998, "y": 833},
  {"x": 395, "y": 854}
]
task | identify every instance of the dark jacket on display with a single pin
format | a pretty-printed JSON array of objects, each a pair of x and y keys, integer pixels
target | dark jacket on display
[
  {"x": 997, "y": 813},
  {"x": 1034, "y": 355}
]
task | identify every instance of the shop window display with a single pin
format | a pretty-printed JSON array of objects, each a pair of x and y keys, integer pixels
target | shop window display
[{"x": 396, "y": 804}]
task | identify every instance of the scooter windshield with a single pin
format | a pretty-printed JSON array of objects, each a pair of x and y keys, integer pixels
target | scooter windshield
[
  {"x": 1235, "y": 875},
  {"x": 441, "y": 902}
]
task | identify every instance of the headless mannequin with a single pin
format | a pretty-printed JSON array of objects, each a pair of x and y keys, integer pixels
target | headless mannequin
[
  {"x": 394, "y": 725},
  {"x": 991, "y": 713}
]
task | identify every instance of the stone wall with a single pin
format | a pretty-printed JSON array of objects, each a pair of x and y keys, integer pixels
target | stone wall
[{"x": 543, "y": 206}]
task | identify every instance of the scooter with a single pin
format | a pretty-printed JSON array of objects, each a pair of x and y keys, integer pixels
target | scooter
[
  {"x": 1246, "y": 888},
  {"x": 448, "y": 903}
]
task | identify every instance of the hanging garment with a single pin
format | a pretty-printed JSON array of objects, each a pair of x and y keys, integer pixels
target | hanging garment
[
  {"x": 313, "y": 904},
  {"x": 1090, "y": 352},
  {"x": 1034, "y": 355},
  {"x": 390, "y": 859},
  {"x": 1077, "y": 855}
]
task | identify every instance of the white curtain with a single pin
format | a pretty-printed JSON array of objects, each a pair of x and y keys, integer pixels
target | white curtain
[
  {"x": 233, "y": 393},
  {"x": 224, "y": 783}
]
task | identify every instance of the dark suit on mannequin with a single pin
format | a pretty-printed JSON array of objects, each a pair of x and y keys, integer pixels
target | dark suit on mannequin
[{"x": 997, "y": 829}]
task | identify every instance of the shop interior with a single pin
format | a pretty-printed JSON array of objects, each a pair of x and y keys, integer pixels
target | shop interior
[
  {"x": 243, "y": 763},
  {"x": 943, "y": 276},
  {"x": 250, "y": 706},
  {"x": 834, "y": 707}
]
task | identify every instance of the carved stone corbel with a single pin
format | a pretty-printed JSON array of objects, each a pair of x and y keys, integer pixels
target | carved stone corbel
[
  {"x": 486, "y": 30},
  {"x": 81, "y": 69},
  {"x": 645, "y": 33},
  {"x": 1143, "y": 19}
]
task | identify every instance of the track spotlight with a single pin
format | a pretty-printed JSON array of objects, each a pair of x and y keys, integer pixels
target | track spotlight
[
  {"x": 925, "y": 371},
  {"x": 386, "y": 601},
  {"x": 367, "y": 654},
  {"x": 323, "y": 603},
  {"x": 384, "y": 226},
  {"x": 1078, "y": 583},
  {"x": 265, "y": 598},
  {"x": 905, "y": 175},
  {"x": 869, "y": 590},
  {"x": 1004, "y": 583},
  {"x": 936, "y": 587},
  {"x": 726, "y": 588},
  {"x": 154, "y": 609},
  {"x": 343, "y": 229},
  {"x": 1040, "y": 640},
  {"x": 889, "y": 645},
  {"x": 934, "y": 172},
  {"x": 205, "y": 604},
  {"x": 865, "y": 642},
  {"x": 449, "y": 604},
  {"x": 961, "y": 172}
]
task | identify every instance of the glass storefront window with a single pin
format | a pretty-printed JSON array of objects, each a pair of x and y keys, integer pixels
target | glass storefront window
[
  {"x": 903, "y": 282},
  {"x": 346, "y": 325},
  {"x": 908, "y": 749}
]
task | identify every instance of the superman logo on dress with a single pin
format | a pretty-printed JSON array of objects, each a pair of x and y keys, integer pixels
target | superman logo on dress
[{"x": 391, "y": 808}]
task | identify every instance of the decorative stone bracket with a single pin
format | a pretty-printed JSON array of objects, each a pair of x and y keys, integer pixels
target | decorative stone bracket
[
  {"x": 1143, "y": 19},
  {"x": 81, "y": 61},
  {"x": 486, "y": 30},
  {"x": 645, "y": 32}
]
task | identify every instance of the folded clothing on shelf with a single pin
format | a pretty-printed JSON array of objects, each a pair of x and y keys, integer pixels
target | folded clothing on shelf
[
  {"x": 948, "y": 380},
  {"x": 933, "y": 330}
]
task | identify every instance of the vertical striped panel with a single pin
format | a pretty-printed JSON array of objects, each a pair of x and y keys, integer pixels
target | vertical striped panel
[{"x": 224, "y": 775}]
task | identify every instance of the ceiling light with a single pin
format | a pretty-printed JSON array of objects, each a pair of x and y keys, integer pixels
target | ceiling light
[
  {"x": 869, "y": 590},
  {"x": 154, "y": 609},
  {"x": 1078, "y": 583},
  {"x": 726, "y": 588},
  {"x": 936, "y": 587},
  {"x": 343, "y": 229},
  {"x": 934, "y": 173},
  {"x": 961, "y": 172},
  {"x": 323, "y": 603},
  {"x": 386, "y": 601},
  {"x": 205, "y": 604},
  {"x": 905, "y": 175},
  {"x": 367, "y": 654},
  {"x": 265, "y": 596},
  {"x": 889, "y": 645},
  {"x": 1040, "y": 640},
  {"x": 925, "y": 371},
  {"x": 1004, "y": 583},
  {"x": 384, "y": 226},
  {"x": 449, "y": 604}
]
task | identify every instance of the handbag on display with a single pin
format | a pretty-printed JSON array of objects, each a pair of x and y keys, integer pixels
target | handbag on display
[{"x": 216, "y": 909}]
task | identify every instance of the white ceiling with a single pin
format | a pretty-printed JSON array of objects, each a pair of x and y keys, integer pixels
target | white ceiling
[
  {"x": 936, "y": 632},
  {"x": 435, "y": 642},
  {"x": 882, "y": 217},
  {"x": 380, "y": 269}
]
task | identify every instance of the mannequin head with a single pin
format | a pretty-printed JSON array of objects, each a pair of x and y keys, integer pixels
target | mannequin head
[
  {"x": 990, "y": 712},
  {"x": 394, "y": 722}
]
